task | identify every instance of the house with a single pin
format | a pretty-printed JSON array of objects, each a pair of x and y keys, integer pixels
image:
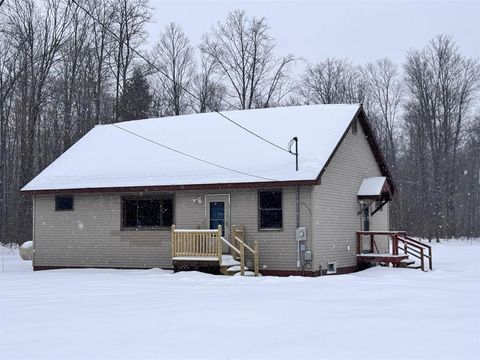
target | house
[{"x": 112, "y": 198}]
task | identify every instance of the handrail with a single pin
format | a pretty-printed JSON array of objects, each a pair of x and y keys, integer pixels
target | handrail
[
  {"x": 248, "y": 247},
  {"x": 243, "y": 245},
  {"x": 418, "y": 242},
  {"x": 204, "y": 243},
  {"x": 225, "y": 241},
  {"x": 417, "y": 249},
  {"x": 381, "y": 232}
]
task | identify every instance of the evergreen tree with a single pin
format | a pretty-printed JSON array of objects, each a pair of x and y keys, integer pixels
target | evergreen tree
[{"x": 136, "y": 98}]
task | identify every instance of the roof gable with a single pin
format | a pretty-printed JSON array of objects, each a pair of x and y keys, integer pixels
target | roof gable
[{"x": 109, "y": 157}]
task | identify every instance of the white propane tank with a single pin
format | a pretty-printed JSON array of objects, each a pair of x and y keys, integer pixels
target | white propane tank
[{"x": 26, "y": 250}]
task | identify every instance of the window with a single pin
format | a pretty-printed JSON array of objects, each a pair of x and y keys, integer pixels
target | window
[
  {"x": 331, "y": 268},
  {"x": 147, "y": 213},
  {"x": 63, "y": 203},
  {"x": 270, "y": 209}
]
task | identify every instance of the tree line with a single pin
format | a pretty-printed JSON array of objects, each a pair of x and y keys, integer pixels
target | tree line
[{"x": 62, "y": 72}]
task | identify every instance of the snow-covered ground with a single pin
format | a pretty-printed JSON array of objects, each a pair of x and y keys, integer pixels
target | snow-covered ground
[{"x": 153, "y": 314}]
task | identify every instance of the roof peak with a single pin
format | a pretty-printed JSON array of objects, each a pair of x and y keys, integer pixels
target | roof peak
[{"x": 237, "y": 111}]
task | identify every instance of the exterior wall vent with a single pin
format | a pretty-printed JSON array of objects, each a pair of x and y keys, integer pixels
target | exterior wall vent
[{"x": 332, "y": 268}]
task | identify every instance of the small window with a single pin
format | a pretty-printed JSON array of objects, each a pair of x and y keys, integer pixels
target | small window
[
  {"x": 147, "y": 213},
  {"x": 270, "y": 210},
  {"x": 331, "y": 268},
  {"x": 63, "y": 203},
  {"x": 354, "y": 127}
]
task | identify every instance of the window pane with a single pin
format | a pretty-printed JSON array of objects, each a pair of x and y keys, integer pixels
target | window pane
[
  {"x": 167, "y": 212},
  {"x": 130, "y": 213},
  {"x": 63, "y": 203},
  {"x": 270, "y": 200},
  {"x": 271, "y": 219},
  {"x": 149, "y": 212}
]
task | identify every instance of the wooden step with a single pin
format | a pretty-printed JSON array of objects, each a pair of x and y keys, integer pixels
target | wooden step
[
  {"x": 414, "y": 267},
  {"x": 228, "y": 260},
  {"x": 235, "y": 269},
  {"x": 247, "y": 273},
  {"x": 406, "y": 262}
]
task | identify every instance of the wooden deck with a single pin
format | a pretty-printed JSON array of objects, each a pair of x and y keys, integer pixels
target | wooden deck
[
  {"x": 381, "y": 258},
  {"x": 400, "y": 246},
  {"x": 203, "y": 249}
]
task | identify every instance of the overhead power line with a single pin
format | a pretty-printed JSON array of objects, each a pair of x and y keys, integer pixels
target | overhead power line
[
  {"x": 189, "y": 155},
  {"x": 184, "y": 88}
]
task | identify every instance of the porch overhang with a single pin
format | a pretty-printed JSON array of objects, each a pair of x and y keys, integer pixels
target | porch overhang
[{"x": 375, "y": 188}]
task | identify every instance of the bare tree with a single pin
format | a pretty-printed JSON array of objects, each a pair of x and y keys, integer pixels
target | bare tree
[
  {"x": 333, "y": 81},
  {"x": 242, "y": 50},
  {"x": 468, "y": 184},
  {"x": 39, "y": 34},
  {"x": 383, "y": 88},
  {"x": 9, "y": 75},
  {"x": 207, "y": 88},
  {"x": 72, "y": 54},
  {"x": 102, "y": 46},
  {"x": 174, "y": 56},
  {"x": 441, "y": 85},
  {"x": 129, "y": 19}
]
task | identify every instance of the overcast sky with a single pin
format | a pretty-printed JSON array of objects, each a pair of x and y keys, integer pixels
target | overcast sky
[{"x": 360, "y": 30}]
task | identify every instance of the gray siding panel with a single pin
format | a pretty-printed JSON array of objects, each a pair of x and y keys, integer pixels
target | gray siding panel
[
  {"x": 335, "y": 209},
  {"x": 90, "y": 235}
]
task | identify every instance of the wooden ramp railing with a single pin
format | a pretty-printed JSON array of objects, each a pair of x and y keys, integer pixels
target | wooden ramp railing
[
  {"x": 201, "y": 245},
  {"x": 417, "y": 249},
  {"x": 400, "y": 245}
]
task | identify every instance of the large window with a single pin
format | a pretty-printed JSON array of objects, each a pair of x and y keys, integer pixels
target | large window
[
  {"x": 270, "y": 209},
  {"x": 63, "y": 202},
  {"x": 147, "y": 213}
]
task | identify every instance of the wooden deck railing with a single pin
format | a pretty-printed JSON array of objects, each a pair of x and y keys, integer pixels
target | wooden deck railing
[
  {"x": 197, "y": 243},
  {"x": 204, "y": 244},
  {"x": 399, "y": 241}
]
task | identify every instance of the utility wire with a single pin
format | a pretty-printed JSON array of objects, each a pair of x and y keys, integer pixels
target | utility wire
[
  {"x": 185, "y": 89},
  {"x": 190, "y": 156}
]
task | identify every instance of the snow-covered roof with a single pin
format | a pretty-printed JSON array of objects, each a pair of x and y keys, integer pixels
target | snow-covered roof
[
  {"x": 372, "y": 186},
  {"x": 109, "y": 157}
]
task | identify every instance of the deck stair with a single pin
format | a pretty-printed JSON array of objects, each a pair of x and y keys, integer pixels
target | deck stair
[
  {"x": 407, "y": 263},
  {"x": 203, "y": 250},
  {"x": 404, "y": 251}
]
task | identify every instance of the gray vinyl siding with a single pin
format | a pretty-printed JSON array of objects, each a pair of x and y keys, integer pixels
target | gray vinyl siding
[
  {"x": 335, "y": 208},
  {"x": 90, "y": 235}
]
